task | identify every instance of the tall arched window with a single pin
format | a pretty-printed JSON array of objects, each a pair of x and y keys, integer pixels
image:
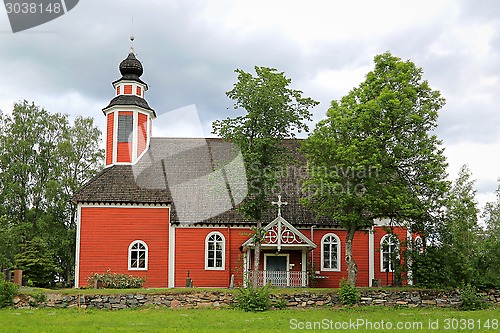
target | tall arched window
[
  {"x": 215, "y": 251},
  {"x": 418, "y": 245},
  {"x": 138, "y": 255},
  {"x": 330, "y": 253},
  {"x": 389, "y": 252}
]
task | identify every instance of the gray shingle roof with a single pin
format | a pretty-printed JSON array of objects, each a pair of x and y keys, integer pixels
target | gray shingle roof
[
  {"x": 129, "y": 100},
  {"x": 203, "y": 179}
]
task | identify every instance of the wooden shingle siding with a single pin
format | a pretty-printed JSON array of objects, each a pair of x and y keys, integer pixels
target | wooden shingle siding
[{"x": 106, "y": 233}]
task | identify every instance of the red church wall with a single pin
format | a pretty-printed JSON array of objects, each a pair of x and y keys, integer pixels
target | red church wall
[
  {"x": 328, "y": 279},
  {"x": 237, "y": 237},
  {"x": 107, "y": 232},
  {"x": 386, "y": 278},
  {"x": 190, "y": 256},
  {"x": 142, "y": 126},
  {"x": 109, "y": 138}
]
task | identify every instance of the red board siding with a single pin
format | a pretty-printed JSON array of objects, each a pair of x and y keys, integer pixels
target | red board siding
[
  {"x": 190, "y": 256},
  {"x": 127, "y": 89},
  {"x": 142, "y": 135},
  {"x": 139, "y": 91},
  {"x": 124, "y": 152},
  {"x": 238, "y": 237},
  {"x": 118, "y": 90},
  {"x": 109, "y": 138},
  {"x": 106, "y": 234},
  {"x": 386, "y": 278},
  {"x": 329, "y": 279}
]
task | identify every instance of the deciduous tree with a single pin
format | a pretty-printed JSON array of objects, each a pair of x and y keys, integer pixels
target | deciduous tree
[
  {"x": 43, "y": 161},
  {"x": 272, "y": 112},
  {"x": 376, "y": 156}
]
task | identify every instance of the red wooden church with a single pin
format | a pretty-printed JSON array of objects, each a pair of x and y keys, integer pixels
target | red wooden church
[{"x": 165, "y": 209}]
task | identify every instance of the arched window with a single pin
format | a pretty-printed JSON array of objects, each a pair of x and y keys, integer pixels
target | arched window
[
  {"x": 389, "y": 252},
  {"x": 330, "y": 253},
  {"x": 418, "y": 245},
  {"x": 138, "y": 255},
  {"x": 215, "y": 251}
]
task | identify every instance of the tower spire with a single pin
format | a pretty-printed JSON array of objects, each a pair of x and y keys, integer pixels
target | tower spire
[
  {"x": 132, "y": 43},
  {"x": 132, "y": 38}
]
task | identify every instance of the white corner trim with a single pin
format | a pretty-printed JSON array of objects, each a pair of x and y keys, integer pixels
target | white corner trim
[
  {"x": 371, "y": 256},
  {"x": 115, "y": 137},
  {"x": 171, "y": 253},
  {"x": 77, "y": 250}
]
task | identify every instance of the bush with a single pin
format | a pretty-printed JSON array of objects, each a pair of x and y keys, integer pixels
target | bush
[
  {"x": 471, "y": 299},
  {"x": 253, "y": 299},
  {"x": 348, "y": 294},
  {"x": 115, "y": 280},
  {"x": 7, "y": 292}
]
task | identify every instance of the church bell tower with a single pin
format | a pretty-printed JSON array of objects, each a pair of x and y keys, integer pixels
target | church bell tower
[{"x": 128, "y": 115}]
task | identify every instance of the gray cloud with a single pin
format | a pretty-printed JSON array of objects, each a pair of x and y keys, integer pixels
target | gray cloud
[{"x": 189, "y": 58}]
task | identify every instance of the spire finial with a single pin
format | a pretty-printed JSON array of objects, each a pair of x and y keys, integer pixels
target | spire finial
[
  {"x": 279, "y": 203},
  {"x": 132, "y": 38},
  {"x": 132, "y": 44}
]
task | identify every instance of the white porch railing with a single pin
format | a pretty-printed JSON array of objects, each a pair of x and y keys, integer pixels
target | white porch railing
[{"x": 280, "y": 278}]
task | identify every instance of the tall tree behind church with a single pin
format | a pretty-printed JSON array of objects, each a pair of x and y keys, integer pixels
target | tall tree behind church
[
  {"x": 273, "y": 112},
  {"x": 376, "y": 155},
  {"x": 43, "y": 160}
]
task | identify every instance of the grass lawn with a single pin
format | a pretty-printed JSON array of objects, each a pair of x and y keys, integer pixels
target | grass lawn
[{"x": 367, "y": 319}]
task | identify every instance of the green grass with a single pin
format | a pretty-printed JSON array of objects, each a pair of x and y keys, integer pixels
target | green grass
[{"x": 229, "y": 320}]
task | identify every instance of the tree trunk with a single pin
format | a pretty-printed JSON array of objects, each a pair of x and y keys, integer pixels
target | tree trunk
[
  {"x": 352, "y": 268},
  {"x": 256, "y": 260}
]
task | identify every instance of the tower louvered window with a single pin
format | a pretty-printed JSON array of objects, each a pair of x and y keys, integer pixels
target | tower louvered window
[{"x": 125, "y": 128}]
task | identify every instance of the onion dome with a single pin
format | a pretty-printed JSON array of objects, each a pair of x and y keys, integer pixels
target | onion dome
[{"x": 131, "y": 68}]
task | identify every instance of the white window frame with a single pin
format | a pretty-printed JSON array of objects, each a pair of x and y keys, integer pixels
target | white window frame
[
  {"x": 419, "y": 244},
  {"x": 391, "y": 237},
  {"x": 323, "y": 239},
  {"x": 145, "y": 268},
  {"x": 215, "y": 233}
]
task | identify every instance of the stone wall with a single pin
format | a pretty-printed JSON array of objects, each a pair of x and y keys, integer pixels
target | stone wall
[{"x": 216, "y": 299}]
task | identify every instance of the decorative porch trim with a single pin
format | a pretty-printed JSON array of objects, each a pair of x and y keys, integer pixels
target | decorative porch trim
[{"x": 274, "y": 237}]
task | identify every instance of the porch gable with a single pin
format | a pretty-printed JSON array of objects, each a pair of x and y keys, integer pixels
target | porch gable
[{"x": 281, "y": 234}]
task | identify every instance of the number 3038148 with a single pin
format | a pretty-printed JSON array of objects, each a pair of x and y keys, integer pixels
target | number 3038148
[
  {"x": 470, "y": 324},
  {"x": 33, "y": 8}
]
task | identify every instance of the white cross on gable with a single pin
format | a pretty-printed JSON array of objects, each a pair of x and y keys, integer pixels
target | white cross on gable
[{"x": 279, "y": 203}]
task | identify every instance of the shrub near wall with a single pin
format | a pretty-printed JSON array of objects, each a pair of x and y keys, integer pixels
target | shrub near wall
[
  {"x": 7, "y": 292},
  {"x": 115, "y": 280}
]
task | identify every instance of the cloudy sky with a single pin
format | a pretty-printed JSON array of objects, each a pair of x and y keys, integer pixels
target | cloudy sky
[{"x": 190, "y": 48}]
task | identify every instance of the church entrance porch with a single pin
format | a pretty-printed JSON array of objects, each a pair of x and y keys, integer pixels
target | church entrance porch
[
  {"x": 283, "y": 258},
  {"x": 281, "y": 270}
]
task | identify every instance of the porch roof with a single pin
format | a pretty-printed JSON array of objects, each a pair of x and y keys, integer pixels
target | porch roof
[{"x": 281, "y": 234}]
